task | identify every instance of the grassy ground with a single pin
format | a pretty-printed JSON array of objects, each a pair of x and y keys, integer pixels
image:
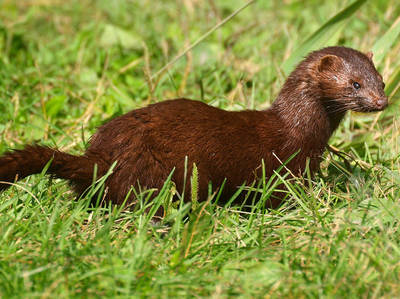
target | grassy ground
[{"x": 68, "y": 66}]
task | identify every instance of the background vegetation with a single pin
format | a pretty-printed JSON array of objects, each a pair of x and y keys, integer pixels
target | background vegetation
[{"x": 68, "y": 66}]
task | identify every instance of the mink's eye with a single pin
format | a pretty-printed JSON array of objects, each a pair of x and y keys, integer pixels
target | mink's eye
[
  {"x": 356, "y": 85},
  {"x": 383, "y": 85}
]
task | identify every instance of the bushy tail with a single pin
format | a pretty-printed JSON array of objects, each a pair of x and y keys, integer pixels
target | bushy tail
[{"x": 32, "y": 159}]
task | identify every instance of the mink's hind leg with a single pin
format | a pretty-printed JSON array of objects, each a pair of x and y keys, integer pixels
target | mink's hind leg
[{"x": 138, "y": 170}]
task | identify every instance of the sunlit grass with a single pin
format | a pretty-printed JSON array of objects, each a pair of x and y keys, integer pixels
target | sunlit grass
[{"x": 66, "y": 67}]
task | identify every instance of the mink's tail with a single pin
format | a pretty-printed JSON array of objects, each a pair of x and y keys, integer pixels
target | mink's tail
[{"x": 32, "y": 159}]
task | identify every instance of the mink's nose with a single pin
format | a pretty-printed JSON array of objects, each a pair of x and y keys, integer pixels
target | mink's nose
[{"x": 381, "y": 103}]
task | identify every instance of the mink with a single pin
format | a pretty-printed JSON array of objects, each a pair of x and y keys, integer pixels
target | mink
[{"x": 226, "y": 146}]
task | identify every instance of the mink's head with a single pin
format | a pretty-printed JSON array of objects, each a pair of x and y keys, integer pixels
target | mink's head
[{"x": 347, "y": 79}]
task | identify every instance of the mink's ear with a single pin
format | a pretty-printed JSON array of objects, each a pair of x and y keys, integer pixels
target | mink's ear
[
  {"x": 329, "y": 63},
  {"x": 369, "y": 55}
]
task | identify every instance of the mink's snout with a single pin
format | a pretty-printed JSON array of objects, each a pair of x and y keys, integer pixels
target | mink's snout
[{"x": 381, "y": 103}]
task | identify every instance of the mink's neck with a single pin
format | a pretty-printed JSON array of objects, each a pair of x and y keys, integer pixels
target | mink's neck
[{"x": 307, "y": 120}]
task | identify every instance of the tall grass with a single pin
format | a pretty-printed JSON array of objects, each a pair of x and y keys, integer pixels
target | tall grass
[{"x": 66, "y": 67}]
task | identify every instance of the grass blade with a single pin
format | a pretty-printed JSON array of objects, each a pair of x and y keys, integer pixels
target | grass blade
[
  {"x": 383, "y": 45},
  {"x": 323, "y": 36}
]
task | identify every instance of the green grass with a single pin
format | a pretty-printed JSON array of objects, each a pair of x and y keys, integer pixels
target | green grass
[{"x": 68, "y": 66}]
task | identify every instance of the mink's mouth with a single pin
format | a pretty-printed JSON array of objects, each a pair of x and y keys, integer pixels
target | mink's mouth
[{"x": 368, "y": 105}]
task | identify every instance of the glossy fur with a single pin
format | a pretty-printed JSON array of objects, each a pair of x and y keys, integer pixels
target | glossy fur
[{"x": 148, "y": 143}]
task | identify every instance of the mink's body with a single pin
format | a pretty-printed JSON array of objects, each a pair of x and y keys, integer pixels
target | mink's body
[
  {"x": 217, "y": 141},
  {"x": 148, "y": 143}
]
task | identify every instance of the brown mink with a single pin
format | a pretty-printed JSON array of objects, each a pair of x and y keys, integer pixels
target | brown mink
[{"x": 148, "y": 143}]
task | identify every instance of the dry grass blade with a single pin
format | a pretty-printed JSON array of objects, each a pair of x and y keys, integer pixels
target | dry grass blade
[{"x": 201, "y": 38}]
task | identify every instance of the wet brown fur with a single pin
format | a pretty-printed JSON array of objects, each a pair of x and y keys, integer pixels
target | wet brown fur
[{"x": 148, "y": 143}]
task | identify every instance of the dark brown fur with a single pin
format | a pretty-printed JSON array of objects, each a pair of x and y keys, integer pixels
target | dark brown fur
[{"x": 149, "y": 142}]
